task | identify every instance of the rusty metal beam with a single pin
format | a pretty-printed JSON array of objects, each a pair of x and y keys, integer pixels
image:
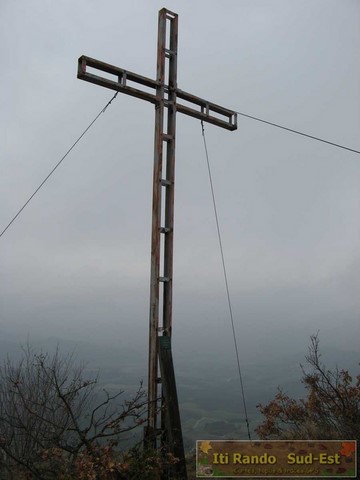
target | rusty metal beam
[
  {"x": 120, "y": 85},
  {"x": 153, "y": 369},
  {"x": 229, "y": 125},
  {"x": 229, "y": 122},
  {"x": 85, "y": 61}
]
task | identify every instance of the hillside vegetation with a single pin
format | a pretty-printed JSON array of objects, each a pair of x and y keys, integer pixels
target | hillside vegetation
[{"x": 57, "y": 424}]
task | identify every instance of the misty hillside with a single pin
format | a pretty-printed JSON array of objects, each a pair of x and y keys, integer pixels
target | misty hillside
[{"x": 208, "y": 388}]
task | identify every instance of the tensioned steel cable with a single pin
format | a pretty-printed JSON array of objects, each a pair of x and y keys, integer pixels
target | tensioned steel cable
[
  {"x": 226, "y": 280},
  {"x": 56, "y": 166},
  {"x": 299, "y": 133}
]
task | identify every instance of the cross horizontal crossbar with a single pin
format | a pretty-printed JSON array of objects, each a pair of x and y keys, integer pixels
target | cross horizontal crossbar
[{"x": 206, "y": 108}]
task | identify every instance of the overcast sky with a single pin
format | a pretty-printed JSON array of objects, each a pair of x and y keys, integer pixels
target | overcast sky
[{"x": 76, "y": 263}]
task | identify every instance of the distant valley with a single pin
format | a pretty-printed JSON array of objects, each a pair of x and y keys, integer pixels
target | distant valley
[{"x": 208, "y": 389}]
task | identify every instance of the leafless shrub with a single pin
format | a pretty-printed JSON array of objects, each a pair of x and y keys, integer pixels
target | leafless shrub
[{"x": 51, "y": 418}]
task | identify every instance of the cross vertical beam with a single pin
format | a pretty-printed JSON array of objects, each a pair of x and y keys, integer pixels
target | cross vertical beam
[
  {"x": 170, "y": 176},
  {"x": 162, "y": 221}
]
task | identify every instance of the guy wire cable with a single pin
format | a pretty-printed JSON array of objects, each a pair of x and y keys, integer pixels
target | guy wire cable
[
  {"x": 299, "y": 133},
  {"x": 226, "y": 281},
  {"x": 56, "y": 166}
]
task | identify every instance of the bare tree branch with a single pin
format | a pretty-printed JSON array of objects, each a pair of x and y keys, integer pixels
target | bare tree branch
[{"x": 49, "y": 415}]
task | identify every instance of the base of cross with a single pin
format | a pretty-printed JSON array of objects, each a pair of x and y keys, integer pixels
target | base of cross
[{"x": 169, "y": 437}]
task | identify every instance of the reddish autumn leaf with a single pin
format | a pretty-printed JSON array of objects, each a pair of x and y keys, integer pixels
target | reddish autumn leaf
[{"x": 348, "y": 448}]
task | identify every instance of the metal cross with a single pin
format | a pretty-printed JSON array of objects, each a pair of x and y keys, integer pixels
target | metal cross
[{"x": 167, "y": 95}]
